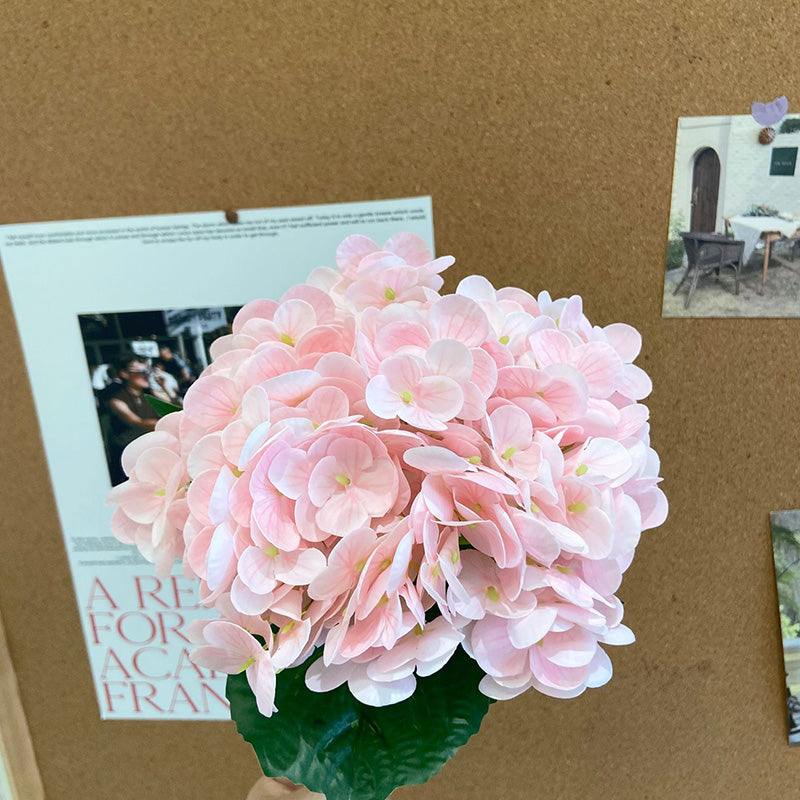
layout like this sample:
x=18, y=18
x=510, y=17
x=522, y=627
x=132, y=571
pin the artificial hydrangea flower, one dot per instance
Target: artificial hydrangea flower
x=375, y=474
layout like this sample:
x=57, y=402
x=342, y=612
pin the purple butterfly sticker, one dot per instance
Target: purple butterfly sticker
x=770, y=113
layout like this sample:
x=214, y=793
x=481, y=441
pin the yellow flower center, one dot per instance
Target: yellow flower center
x=343, y=479
x=474, y=459
x=389, y=293
x=492, y=594
x=509, y=453
x=582, y=470
x=286, y=339
x=406, y=396
x=271, y=550
x=160, y=492
x=504, y=340
x=576, y=508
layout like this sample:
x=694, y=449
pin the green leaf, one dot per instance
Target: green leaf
x=332, y=743
x=160, y=407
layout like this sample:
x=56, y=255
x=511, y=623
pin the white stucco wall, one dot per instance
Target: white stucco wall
x=749, y=182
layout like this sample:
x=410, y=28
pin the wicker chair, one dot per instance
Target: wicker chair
x=707, y=253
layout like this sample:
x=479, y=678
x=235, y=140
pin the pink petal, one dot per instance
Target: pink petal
x=600, y=670
x=300, y=567
x=510, y=427
x=206, y=454
x=140, y=502
x=625, y=339
x=211, y=401
x=595, y=527
x=294, y=318
x=410, y=247
x=221, y=563
x=600, y=365
x=255, y=309
x=380, y=693
x=344, y=564
x=261, y=677
x=631, y=420
x=403, y=372
x=246, y=601
x=476, y=287
x=236, y=640
x=574, y=648
x=218, y=510
x=619, y=635
x=396, y=336
x=341, y=514
x=551, y=347
x=439, y=396
x=451, y=358
x=137, y=447
x=155, y=466
x=382, y=399
x=537, y=539
x=474, y=406
x=350, y=252
x=257, y=570
x=571, y=315
x=322, y=678
x=654, y=507
x=269, y=361
x=605, y=459
x=493, y=650
x=319, y=300
x=458, y=317
x=528, y=630
x=289, y=473
x=292, y=388
x=565, y=391
x=322, y=339
x=256, y=439
x=635, y=383
x=484, y=372
x=434, y=460
x=327, y=403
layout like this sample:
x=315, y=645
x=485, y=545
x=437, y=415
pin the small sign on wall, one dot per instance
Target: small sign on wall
x=783, y=161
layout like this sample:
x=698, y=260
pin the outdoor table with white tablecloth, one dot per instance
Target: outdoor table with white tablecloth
x=751, y=230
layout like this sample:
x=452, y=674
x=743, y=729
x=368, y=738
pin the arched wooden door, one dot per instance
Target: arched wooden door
x=705, y=190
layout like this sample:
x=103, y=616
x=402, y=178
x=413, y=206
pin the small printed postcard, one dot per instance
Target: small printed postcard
x=786, y=551
x=733, y=246
x=109, y=310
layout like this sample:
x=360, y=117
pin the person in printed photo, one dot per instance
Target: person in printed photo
x=130, y=413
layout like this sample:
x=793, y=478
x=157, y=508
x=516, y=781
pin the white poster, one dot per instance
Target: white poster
x=159, y=289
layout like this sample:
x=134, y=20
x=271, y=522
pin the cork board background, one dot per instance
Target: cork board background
x=544, y=132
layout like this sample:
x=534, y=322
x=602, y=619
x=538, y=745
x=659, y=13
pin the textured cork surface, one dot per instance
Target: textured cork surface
x=544, y=132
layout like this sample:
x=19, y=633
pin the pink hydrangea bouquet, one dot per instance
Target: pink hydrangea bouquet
x=402, y=506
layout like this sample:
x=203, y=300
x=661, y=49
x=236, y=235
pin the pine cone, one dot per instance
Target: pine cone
x=766, y=135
